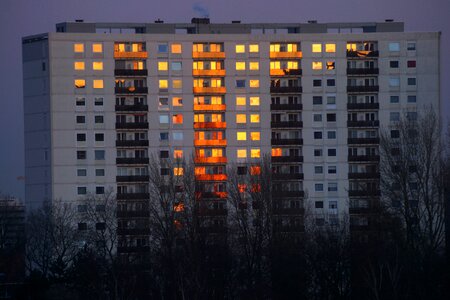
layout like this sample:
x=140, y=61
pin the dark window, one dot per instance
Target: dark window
x=242, y=170
x=411, y=81
x=240, y=83
x=99, y=172
x=411, y=63
x=317, y=82
x=317, y=135
x=164, y=154
x=81, y=154
x=412, y=99
x=82, y=208
x=319, y=204
x=331, y=134
x=99, y=137
x=81, y=172
x=395, y=99
x=393, y=64
x=81, y=119
x=164, y=171
x=395, y=134
x=99, y=190
x=331, y=152
x=317, y=152
x=331, y=82
x=81, y=190
x=82, y=226
x=331, y=117
x=98, y=119
x=100, y=226
x=99, y=154
x=317, y=100
x=81, y=137
x=163, y=136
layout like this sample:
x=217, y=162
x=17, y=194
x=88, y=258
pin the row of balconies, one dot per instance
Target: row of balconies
x=133, y=178
x=285, y=142
x=287, y=159
x=361, y=158
x=132, y=107
x=369, y=123
x=296, y=106
x=132, y=160
x=132, y=143
x=287, y=176
x=136, y=125
x=363, y=106
x=357, y=141
x=286, y=124
x=364, y=175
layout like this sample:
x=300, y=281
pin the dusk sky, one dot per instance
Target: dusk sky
x=20, y=18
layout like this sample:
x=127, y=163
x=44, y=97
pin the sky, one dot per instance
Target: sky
x=20, y=18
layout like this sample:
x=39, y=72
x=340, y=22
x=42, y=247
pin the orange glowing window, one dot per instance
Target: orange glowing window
x=292, y=65
x=330, y=48
x=240, y=101
x=241, y=153
x=254, y=118
x=316, y=48
x=176, y=48
x=255, y=153
x=97, y=48
x=178, y=171
x=78, y=65
x=275, y=65
x=317, y=65
x=177, y=101
x=255, y=170
x=274, y=47
x=177, y=224
x=163, y=66
x=240, y=48
x=97, y=84
x=242, y=187
x=78, y=48
x=254, y=101
x=256, y=188
x=178, y=207
x=241, y=136
x=254, y=65
x=253, y=48
x=97, y=65
x=241, y=118
x=331, y=65
x=351, y=47
x=255, y=135
x=177, y=154
x=277, y=152
x=200, y=170
x=177, y=83
x=163, y=84
x=254, y=83
x=217, y=152
x=177, y=119
x=80, y=83
x=240, y=65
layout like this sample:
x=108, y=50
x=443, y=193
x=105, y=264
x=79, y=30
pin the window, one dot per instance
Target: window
x=394, y=116
x=394, y=99
x=254, y=65
x=178, y=136
x=255, y=153
x=393, y=64
x=394, y=81
x=317, y=152
x=395, y=134
x=163, y=103
x=412, y=81
x=78, y=65
x=163, y=136
x=332, y=187
x=81, y=172
x=331, y=100
x=240, y=101
x=317, y=82
x=81, y=154
x=331, y=135
x=163, y=154
x=240, y=83
x=176, y=48
x=241, y=170
x=254, y=101
x=240, y=65
x=80, y=83
x=81, y=119
x=163, y=84
x=317, y=135
x=319, y=204
x=254, y=83
x=177, y=154
x=331, y=117
x=253, y=48
x=80, y=101
x=97, y=48
x=97, y=65
x=316, y=65
x=394, y=47
x=81, y=137
x=82, y=226
x=411, y=116
x=98, y=119
x=317, y=117
x=176, y=66
x=177, y=101
x=163, y=48
x=81, y=190
x=99, y=172
x=99, y=154
x=331, y=65
x=99, y=190
x=177, y=83
x=316, y=48
x=240, y=48
x=82, y=208
x=412, y=98
x=178, y=171
x=331, y=169
x=241, y=136
x=163, y=119
x=318, y=170
x=78, y=48
x=331, y=82
x=318, y=187
x=411, y=46
x=98, y=101
x=254, y=118
x=99, y=137
x=241, y=153
x=332, y=152
x=317, y=100
x=241, y=118
x=163, y=65
x=255, y=135
x=164, y=171
x=411, y=63
x=177, y=119
x=97, y=84
x=330, y=48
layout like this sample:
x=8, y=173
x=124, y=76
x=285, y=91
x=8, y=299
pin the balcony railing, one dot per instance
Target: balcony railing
x=369, y=141
x=362, y=71
x=363, y=105
x=211, y=177
x=286, y=124
x=289, y=211
x=296, y=54
x=131, y=90
x=281, y=142
x=296, y=106
x=209, y=107
x=208, y=55
x=363, y=89
x=212, y=212
x=362, y=53
x=210, y=160
x=210, y=142
x=132, y=178
x=210, y=195
x=137, y=125
x=209, y=72
x=132, y=143
x=282, y=194
x=130, y=72
x=129, y=54
x=287, y=176
x=364, y=193
x=287, y=159
x=132, y=196
x=285, y=72
x=286, y=89
x=198, y=125
x=363, y=158
x=374, y=123
x=366, y=175
x=133, y=214
x=209, y=90
x=133, y=107
x=131, y=160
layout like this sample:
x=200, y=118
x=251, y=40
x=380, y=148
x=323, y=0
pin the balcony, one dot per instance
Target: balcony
x=282, y=194
x=287, y=176
x=209, y=72
x=364, y=158
x=206, y=125
x=287, y=159
x=131, y=160
x=296, y=54
x=132, y=178
x=294, y=106
x=210, y=160
x=209, y=55
x=133, y=214
x=132, y=143
x=137, y=125
x=363, y=106
x=282, y=142
x=286, y=124
x=363, y=71
x=212, y=212
x=209, y=90
x=133, y=196
x=374, y=123
x=133, y=107
x=364, y=141
x=364, y=193
x=211, y=177
x=363, y=89
x=211, y=195
x=286, y=89
x=289, y=211
x=210, y=142
x=129, y=54
x=210, y=107
x=361, y=53
x=130, y=72
x=285, y=72
x=366, y=175
x=131, y=90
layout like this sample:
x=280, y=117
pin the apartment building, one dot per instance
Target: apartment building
x=101, y=98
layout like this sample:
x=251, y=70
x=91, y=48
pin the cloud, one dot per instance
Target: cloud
x=200, y=9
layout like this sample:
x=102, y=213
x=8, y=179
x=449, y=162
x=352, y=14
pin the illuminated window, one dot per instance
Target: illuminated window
x=177, y=101
x=254, y=101
x=240, y=48
x=255, y=135
x=254, y=118
x=163, y=66
x=176, y=48
x=241, y=136
x=242, y=187
x=177, y=119
x=178, y=171
x=97, y=48
x=254, y=65
x=163, y=84
x=97, y=65
x=177, y=154
x=254, y=83
x=240, y=65
x=330, y=48
x=240, y=101
x=331, y=65
x=292, y=65
x=241, y=119
x=255, y=153
x=78, y=65
x=317, y=65
x=255, y=170
x=316, y=48
x=241, y=153
x=78, y=48
x=97, y=84
x=177, y=83
x=275, y=65
x=80, y=83
x=253, y=48
x=277, y=152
